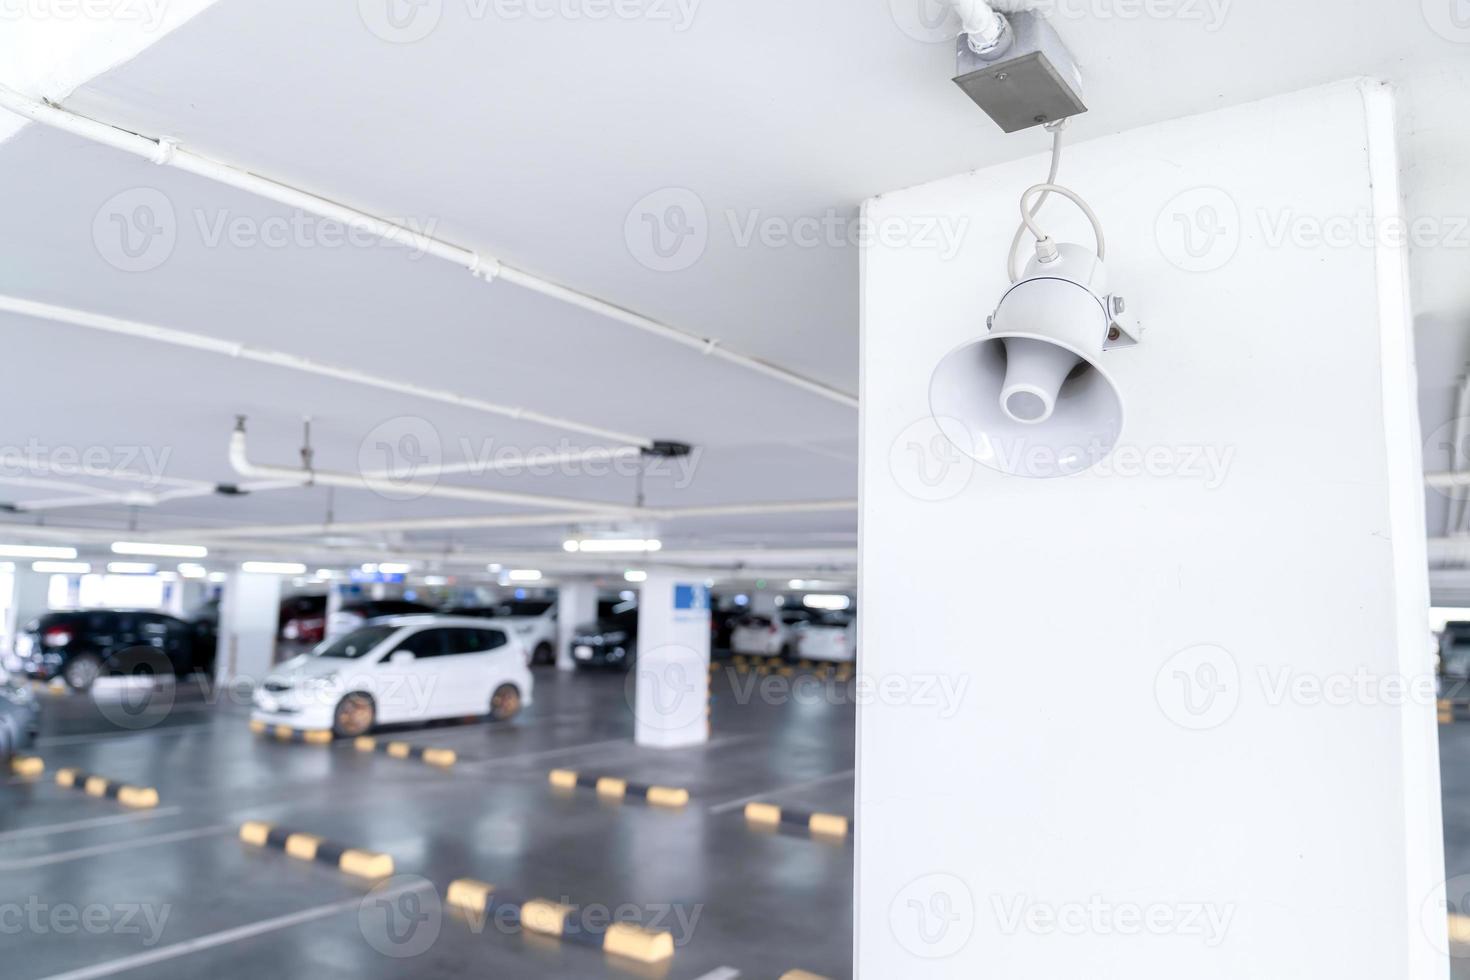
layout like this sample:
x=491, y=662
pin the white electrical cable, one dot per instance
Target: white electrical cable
x=1045, y=248
x=1051, y=178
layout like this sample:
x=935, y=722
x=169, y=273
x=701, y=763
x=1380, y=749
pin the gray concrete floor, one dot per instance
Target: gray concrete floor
x=736, y=899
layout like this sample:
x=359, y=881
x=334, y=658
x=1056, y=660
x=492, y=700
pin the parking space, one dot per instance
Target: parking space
x=733, y=896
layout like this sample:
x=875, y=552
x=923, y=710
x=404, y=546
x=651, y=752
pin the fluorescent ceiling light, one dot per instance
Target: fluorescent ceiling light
x=61, y=567
x=218, y=577
x=36, y=551
x=435, y=580
x=190, y=570
x=818, y=600
x=395, y=568
x=131, y=568
x=606, y=546
x=634, y=575
x=524, y=575
x=273, y=567
x=325, y=573
x=151, y=550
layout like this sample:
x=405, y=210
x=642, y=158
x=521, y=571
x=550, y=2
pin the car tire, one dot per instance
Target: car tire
x=543, y=654
x=82, y=671
x=354, y=715
x=505, y=703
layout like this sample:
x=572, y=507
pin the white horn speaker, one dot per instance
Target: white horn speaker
x=1031, y=397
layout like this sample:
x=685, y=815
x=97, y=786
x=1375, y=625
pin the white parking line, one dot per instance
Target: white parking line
x=723, y=973
x=531, y=756
x=54, y=740
x=61, y=857
x=62, y=828
x=228, y=936
x=737, y=804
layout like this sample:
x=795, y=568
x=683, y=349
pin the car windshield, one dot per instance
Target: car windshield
x=524, y=608
x=356, y=643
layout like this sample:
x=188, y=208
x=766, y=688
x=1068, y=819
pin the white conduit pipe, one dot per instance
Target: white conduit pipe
x=240, y=460
x=598, y=454
x=212, y=345
x=168, y=153
x=504, y=520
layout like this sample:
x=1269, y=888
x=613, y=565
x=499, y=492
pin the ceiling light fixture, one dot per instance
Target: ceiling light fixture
x=36, y=551
x=524, y=575
x=148, y=549
x=131, y=568
x=635, y=575
x=61, y=567
x=606, y=546
x=273, y=567
x=190, y=570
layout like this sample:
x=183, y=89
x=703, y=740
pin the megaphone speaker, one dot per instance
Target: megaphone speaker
x=1031, y=398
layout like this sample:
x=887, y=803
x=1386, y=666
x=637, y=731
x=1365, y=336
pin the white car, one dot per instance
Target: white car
x=396, y=670
x=533, y=620
x=758, y=635
x=831, y=638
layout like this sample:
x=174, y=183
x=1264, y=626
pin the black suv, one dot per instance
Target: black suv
x=612, y=641
x=84, y=645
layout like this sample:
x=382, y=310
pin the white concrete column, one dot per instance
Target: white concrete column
x=671, y=697
x=1235, y=595
x=28, y=600
x=249, y=612
x=335, y=596
x=576, y=605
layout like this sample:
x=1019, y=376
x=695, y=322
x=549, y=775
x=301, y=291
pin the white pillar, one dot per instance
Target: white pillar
x=29, y=600
x=335, y=595
x=671, y=696
x=1235, y=596
x=249, y=613
x=576, y=605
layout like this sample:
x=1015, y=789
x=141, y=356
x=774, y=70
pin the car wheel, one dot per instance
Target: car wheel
x=354, y=716
x=505, y=703
x=82, y=672
x=544, y=654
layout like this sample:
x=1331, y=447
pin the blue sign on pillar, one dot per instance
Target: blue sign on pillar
x=690, y=598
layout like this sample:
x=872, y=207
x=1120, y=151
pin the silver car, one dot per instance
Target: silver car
x=19, y=717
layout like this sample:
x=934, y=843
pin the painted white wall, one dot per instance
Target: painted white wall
x=671, y=701
x=1096, y=729
x=250, y=610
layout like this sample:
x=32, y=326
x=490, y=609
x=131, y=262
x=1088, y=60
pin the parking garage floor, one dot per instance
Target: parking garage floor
x=200, y=903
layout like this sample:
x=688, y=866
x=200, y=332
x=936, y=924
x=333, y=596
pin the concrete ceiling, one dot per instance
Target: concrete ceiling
x=547, y=141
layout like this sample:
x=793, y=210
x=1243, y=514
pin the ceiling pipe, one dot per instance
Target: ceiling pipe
x=240, y=461
x=239, y=351
x=167, y=152
x=988, y=32
x=492, y=521
x=520, y=462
